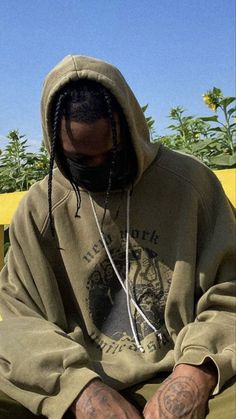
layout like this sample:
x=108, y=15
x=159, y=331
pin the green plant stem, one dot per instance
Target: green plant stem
x=227, y=126
x=181, y=128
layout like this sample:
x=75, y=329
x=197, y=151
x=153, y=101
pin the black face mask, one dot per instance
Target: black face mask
x=96, y=178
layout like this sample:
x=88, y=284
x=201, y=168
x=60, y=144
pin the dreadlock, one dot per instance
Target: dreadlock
x=55, y=132
x=82, y=101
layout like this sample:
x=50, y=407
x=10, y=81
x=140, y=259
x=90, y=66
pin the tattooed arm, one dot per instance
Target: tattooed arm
x=102, y=402
x=184, y=394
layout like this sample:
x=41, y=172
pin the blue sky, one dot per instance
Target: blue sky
x=170, y=52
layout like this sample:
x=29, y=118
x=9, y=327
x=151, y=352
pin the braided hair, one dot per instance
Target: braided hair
x=82, y=101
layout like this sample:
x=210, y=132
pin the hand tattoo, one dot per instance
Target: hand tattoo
x=89, y=405
x=178, y=397
x=100, y=401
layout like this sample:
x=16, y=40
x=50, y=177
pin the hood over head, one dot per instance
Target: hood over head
x=75, y=67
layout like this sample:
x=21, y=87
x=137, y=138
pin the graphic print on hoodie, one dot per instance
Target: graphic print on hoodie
x=106, y=299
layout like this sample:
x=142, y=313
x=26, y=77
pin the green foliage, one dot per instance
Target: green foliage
x=212, y=139
x=19, y=169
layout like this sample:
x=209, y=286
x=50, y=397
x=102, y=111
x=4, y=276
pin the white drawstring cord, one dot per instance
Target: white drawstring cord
x=125, y=288
x=128, y=296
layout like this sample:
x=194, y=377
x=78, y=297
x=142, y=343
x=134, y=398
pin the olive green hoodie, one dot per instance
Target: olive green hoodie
x=67, y=318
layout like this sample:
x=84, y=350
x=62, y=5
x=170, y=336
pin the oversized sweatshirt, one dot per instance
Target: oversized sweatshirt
x=66, y=315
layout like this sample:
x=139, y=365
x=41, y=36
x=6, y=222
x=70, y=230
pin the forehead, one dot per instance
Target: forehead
x=82, y=135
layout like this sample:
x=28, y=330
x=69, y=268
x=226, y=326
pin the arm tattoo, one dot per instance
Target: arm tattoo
x=178, y=397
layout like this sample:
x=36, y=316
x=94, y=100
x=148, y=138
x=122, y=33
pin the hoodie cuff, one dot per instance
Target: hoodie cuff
x=223, y=362
x=71, y=383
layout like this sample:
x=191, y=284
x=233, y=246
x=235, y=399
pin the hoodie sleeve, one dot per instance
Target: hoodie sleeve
x=41, y=366
x=212, y=336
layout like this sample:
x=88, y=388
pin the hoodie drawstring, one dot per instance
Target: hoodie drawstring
x=125, y=286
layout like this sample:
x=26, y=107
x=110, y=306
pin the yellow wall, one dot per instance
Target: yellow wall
x=8, y=205
x=228, y=179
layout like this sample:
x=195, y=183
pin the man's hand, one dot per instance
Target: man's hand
x=102, y=402
x=184, y=394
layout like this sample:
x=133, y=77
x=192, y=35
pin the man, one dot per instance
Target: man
x=121, y=272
